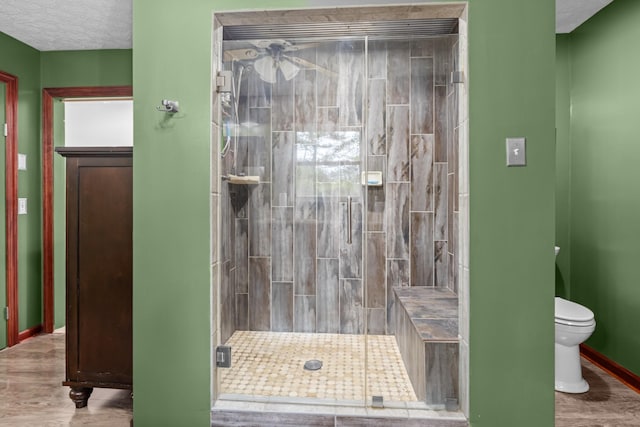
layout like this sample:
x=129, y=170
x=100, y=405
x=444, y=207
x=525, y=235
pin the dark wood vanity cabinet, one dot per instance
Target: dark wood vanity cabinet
x=99, y=269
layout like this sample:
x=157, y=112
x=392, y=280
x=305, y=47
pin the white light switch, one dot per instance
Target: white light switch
x=22, y=162
x=516, y=152
x=22, y=206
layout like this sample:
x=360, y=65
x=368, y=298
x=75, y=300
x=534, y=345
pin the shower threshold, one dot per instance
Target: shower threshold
x=278, y=411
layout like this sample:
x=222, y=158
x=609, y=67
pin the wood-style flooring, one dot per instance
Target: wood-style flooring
x=608, y=403
x=31, y=394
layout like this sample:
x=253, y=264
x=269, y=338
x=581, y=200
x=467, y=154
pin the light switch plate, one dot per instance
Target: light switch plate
x=516, y=152
x=22, y=162
x=22, y=206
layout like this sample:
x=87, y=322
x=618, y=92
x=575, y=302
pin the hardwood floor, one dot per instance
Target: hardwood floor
x=31, y=394
x=608, y=403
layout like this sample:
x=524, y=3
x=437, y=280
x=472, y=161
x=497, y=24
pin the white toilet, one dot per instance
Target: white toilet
x=574, y=324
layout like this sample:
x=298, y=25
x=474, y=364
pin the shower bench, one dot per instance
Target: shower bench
x=426, y=330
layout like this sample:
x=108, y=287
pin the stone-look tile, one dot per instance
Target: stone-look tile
x=376, y=195
x=463, y=375
x=328, y=295
x=463, y=303
x=283, y=168
x=328, y=226
x=259, y=91
x=351, y=82
x=242, y=312
x=437, y=329
x=282, y=244
x=422, y=190
x=351, y=311
x=376, y=117
x=351, y=246
x=418, y=295
x=260, y=220
x=282, y=307
x=463, y=157
x=305, y=165
x=259, y=158
x=305, y=246
x=440, y=200
x=441, y=264
x=214, y=151
x=376, y=271
x=422, y=98
x=214, y=228
x=259, y=294
x=269, y=419
x=305, y=100
x=412, y=350
x=422, y=47
x=442, y=371
x=398, y=72
x=377, y=56
x=443, y=59
x=441, y=129
x=327, y=59
x=398, y=144
x=227, y=302
x=376, y=321
x=398, y=275
x=242, y=255
x=328, y=119
x=442, y=308
x=422, y=249
x=305, y=313
x=225, y=221
x=282, y=109
x=397, y=216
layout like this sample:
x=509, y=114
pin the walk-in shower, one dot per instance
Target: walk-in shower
x=335, y=174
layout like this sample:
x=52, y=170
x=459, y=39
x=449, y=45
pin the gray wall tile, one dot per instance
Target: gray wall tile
x=328, y=296
x=351, y=311
x=440, y=196
x=375, y=279
x=282, y=104
x=398, y=72
x=305, y=313
x=441, y=265
x=376, y=117
x=422, y=173
x=282, y=244
x=282, y=307
x=259, y=294
x=421, y=249
x=398, y=144
x=283, y=168
x=260, y=220
x=305, y=100
x=422, y=95
x=397, y=216
x=305, y=246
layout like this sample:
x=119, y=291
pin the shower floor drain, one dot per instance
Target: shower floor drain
x=312, y=365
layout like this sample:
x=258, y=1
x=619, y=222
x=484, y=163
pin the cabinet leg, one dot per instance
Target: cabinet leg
x=80, y=395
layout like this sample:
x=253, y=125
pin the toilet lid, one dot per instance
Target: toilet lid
x=568, y=310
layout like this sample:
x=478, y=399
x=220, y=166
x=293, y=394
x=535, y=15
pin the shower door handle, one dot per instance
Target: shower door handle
x=349, y=240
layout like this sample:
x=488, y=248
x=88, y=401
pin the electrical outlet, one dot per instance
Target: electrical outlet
x=22, y=162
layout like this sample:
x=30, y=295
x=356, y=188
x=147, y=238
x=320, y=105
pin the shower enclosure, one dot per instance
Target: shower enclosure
x=334, y=181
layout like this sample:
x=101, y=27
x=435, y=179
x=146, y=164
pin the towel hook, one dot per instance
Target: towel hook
x=168, y=106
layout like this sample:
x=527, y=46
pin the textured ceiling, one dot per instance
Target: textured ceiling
x=107, y=24
x=68, y=24
x=571, y=13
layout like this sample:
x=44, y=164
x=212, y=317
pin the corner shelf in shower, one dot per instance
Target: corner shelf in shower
x=242, y=180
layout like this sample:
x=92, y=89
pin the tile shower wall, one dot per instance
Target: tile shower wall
x=285, y=260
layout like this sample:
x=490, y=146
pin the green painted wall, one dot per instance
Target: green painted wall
x=512, y=211
x=24, y=62
x=563, y=164
x=64, y=69
x=86, y=68
x=605, y=101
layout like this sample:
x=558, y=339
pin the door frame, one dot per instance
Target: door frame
x=11, y=204
x=48, y=94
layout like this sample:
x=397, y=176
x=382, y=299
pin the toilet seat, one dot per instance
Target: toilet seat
x=572, y=314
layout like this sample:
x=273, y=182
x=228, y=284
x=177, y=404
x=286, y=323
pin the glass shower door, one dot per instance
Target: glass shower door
x=292, y=215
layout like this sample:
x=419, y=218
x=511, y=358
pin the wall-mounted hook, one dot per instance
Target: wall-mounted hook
x=168, y=106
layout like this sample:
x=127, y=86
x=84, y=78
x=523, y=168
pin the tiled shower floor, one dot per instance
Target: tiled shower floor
x=271, y=364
